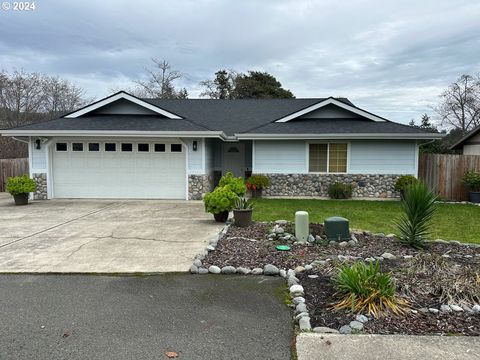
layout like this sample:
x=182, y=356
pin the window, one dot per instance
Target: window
x=93, y=147
x=77, y=146
x=176, y=147
x=127, y=147
x=61, y=146
x=143, y=147
x=110, y=147
x=337, y=158
x=330, y=158
x=159, y=147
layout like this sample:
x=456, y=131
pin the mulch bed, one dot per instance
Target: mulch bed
x=248, y=247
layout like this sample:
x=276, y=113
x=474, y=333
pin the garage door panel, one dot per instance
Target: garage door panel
x=119, y=174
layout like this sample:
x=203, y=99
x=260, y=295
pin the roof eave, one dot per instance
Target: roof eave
x=345, y=136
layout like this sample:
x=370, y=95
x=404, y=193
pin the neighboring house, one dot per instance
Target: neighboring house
x=470, y=143
x=126, y=147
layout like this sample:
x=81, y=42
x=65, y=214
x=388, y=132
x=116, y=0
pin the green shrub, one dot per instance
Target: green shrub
x=471, y=179
x=418, y=208
x=219, y=200
x=243, y=204
x=20, y=185
x=340, y=191
x=404, y=181
x=364, y=288
x=255, y=182
x=237, y=185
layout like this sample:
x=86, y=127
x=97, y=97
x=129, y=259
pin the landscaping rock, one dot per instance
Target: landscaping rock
x=243, y=271
x=278, y=230
x=299, y=269
x=318, y=238
x=202, y=271
x=228, y=270
x=283, y=273
x=407, y=256
x=361, y=318
x=200, y=257
x=345, y=329
x=319, y=262
x=300, y=315
x=197, y=262
x=257, y=271
x=210, y=248
x=290, y=272
x=390, y=236
x=445, y=308
x=354, y=238
x=388, y=256
x=281, y=222
x=313, y=276
x=296, y=290
x=476, y=309
x=304, y=324
x=214, y=269
x=193, y=269
x=271, y=237
x=352, y=243
x=440, y=241
x=343, y=244
x=356, y=325
x=301, y=308
x=370, y=259
x=271, y=270
x=325, y=330
x=311, y=239
x=308, y=267
x=456, y=308
x=292, y=280
x=332, y=243
x=298, y=300
x=433, y=310
x=343, y=257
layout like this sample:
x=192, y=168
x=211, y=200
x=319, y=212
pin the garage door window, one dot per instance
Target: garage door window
x=61, y=146
x=143, y=148
x=93, y=147
x=127, y=147
x=110, y=147
x=159, y=147
x=176, y=148
x=77, y=146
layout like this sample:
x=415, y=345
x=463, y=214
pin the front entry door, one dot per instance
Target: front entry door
x=233, y=159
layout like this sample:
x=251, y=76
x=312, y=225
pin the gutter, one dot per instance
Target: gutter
x=346, y=136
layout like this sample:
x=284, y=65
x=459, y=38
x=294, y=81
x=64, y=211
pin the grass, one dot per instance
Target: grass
x=451, y=221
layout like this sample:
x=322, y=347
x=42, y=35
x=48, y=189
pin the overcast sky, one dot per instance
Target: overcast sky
x=390, y=57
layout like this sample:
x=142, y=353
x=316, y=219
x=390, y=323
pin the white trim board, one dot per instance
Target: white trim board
x=118, y=96
x=335, y=102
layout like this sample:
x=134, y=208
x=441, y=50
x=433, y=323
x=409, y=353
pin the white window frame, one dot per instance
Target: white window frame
x=307, y=150
x=94, y=142
x=159, y=143
x=175, y=152
x=77, y=142
x=110, y=142
x=143, y=152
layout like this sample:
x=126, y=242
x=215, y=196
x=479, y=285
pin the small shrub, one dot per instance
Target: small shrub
x=404, y=181
x=340, y=191
x=364, y=288
x=243, y=204
x=20, y=185
x=255, y=182
x=219, y=200
x=471, y=180
x=236, y=184
x=418, y=206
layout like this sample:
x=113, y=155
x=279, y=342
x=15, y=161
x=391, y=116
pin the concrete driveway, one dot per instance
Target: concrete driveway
x=104, y=236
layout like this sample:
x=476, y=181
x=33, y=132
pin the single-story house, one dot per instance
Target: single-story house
x=123, y=146
x=470, y=143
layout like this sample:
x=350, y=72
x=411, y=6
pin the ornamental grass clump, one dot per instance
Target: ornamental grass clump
x=363, y=288
x=418, y=207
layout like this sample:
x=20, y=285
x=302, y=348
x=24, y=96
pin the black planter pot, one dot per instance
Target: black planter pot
x=221, y=217
x=21, y=199
x=243, y=218
x=257, y=193
x=474, y=197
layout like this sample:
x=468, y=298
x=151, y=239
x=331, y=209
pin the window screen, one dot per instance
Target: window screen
x=318, y=157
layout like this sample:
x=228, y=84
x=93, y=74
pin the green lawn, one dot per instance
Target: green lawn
x=452, y=222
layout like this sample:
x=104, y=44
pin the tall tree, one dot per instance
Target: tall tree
x=460, y=104
x=160, y=82
x=253, y=85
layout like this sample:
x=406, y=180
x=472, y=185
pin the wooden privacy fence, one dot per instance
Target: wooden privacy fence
x=12, y=167
x=443, y=173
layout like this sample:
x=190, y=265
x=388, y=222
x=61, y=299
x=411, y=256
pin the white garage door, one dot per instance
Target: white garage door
x=119, y=169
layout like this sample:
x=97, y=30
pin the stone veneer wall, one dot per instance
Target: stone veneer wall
x=199, y=185
x=41, y=192
x=366, y=186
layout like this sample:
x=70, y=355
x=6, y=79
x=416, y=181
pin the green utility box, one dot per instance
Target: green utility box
x=336, y=229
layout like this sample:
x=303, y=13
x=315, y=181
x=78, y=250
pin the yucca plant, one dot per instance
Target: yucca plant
x=364, y=288
x=418, y=207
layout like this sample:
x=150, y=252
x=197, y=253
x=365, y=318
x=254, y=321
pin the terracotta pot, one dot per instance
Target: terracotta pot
x=21, y=199
x=221, y=217
x=243, y=218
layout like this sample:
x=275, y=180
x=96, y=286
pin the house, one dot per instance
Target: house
x=470, y=143
x=126, y=147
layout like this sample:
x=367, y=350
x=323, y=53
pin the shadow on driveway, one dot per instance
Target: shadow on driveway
x=109, y=317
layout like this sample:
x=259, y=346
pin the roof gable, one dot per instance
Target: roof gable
x=327, y=103
x=122, y=98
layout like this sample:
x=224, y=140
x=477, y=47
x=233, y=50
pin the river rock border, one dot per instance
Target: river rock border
x=41, y=181
x=297, y=291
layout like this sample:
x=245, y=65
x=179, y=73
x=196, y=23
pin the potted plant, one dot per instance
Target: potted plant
x=403, y=182
x=242, y=212
x=219, y=202
x=256, y=184
x=20, y=187
x=471, y=179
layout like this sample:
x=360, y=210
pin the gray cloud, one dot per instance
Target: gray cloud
x=393, y=58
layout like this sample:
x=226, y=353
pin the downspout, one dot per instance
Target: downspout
x=24, y=141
